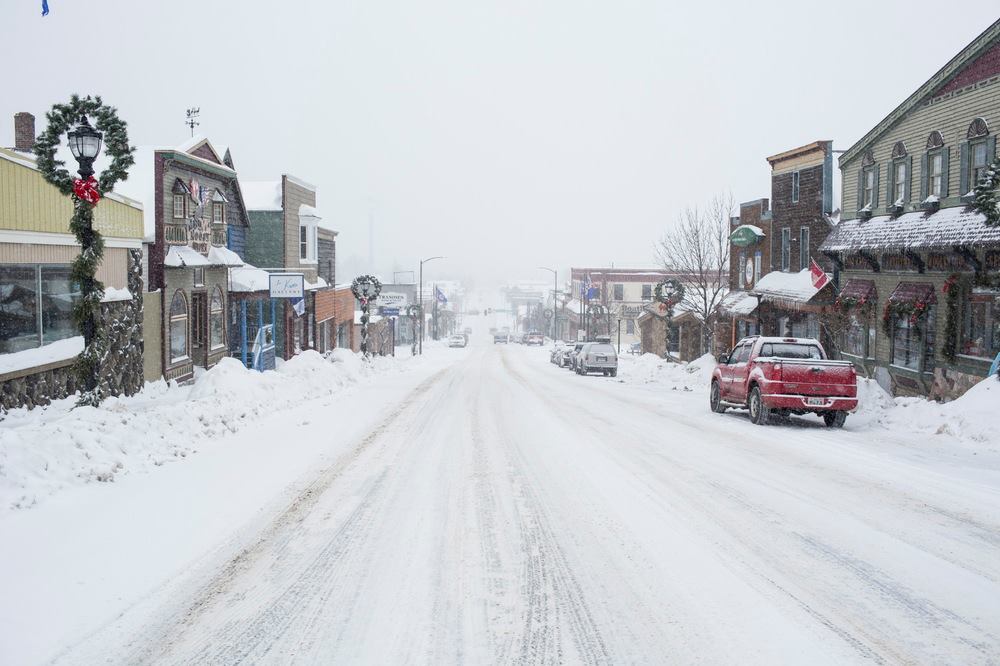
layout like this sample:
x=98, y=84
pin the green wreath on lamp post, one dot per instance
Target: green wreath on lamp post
x=73, y=119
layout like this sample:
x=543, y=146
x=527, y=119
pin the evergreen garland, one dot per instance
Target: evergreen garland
x=845, y=305
x=953, y=288
x=914, y=311
x=83, y=272
x=986, y=200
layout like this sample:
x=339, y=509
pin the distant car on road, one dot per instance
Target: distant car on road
x=534, y=338
x=457, y=341
x=500, y=339
x=782, y=376
x=597, y=357
x=635, y=348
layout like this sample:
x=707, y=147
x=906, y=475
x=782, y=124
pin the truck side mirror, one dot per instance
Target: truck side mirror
x=723, y=358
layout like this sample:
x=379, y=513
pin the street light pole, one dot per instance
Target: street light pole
x=555, y=288
x=420, y=299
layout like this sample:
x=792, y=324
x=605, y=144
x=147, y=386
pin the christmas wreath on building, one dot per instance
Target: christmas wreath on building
x=913, y=311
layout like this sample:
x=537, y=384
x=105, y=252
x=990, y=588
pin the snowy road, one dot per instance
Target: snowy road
x=507, y=511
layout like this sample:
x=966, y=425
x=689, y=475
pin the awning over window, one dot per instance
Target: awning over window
x=913, y=292
x=862, y=291
x=738, y=303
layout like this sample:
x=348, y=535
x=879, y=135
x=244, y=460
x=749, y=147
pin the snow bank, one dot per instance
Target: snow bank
x=47, y=449
x=651, y=369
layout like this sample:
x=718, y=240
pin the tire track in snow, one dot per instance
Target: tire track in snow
x=271, y=546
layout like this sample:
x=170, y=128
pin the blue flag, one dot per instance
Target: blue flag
x=439, y=295
x=45, y=7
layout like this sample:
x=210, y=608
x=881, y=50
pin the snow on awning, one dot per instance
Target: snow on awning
x=61, y=350
x=920, y=230
x=913, y=292
x=862, y=291
x=739, y=303
x=247, y=278
x=786, y=289
x=320, y=283
x=222, y=256
x=746, y=234
x=185, y=256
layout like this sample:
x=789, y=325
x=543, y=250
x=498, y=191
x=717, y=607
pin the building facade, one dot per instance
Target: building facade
x=39, y=341
x=617, y=297
x=916, y=264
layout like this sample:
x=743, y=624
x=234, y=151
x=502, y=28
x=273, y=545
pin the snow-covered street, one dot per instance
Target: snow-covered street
x=498, y=509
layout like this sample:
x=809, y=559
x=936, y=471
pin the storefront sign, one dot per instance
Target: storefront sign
x=748, y=272
x=744, y=236
x=388, y=312
x=632, y=311
x=287, y=285
x=392, y=299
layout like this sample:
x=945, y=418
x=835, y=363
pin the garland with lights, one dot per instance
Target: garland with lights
x=986, y=196
x=86, y=193
x=365, y=288
x=845, y=305
x=674, y=292
x=913, y=311
x=953, y=288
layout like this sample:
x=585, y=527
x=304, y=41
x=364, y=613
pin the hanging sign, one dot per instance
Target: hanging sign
x=748, y=272
x=287, y=285
x=743, y=236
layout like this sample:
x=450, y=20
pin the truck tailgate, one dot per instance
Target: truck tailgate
x=817, y=377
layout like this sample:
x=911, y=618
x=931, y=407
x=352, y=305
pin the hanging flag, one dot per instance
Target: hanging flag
x=818, y=275
x=45, y=7
x=299, y=305
x=439, y=295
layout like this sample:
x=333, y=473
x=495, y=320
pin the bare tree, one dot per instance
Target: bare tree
x=697, y=249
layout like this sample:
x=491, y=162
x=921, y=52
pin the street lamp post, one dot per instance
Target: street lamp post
x=366, y=289
x=420, y=299
x=555, y=288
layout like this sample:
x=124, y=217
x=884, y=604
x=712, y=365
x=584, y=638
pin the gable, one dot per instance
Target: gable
x=205, y=152
x=986, y=66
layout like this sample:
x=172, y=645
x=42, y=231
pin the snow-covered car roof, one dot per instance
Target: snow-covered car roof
x=788, y=340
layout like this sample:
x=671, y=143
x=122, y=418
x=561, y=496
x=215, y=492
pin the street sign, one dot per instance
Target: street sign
x=287, y=285
x=548, y=314
x=388, y=312
x=392, y=299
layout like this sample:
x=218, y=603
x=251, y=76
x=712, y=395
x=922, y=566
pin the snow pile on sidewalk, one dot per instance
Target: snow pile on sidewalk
x=970, y=418
x=651, y=369
x=46, y=449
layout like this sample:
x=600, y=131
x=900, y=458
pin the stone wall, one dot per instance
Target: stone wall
x=121, y=347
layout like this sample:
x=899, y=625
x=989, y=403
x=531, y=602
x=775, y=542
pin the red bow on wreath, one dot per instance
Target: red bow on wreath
x=86, y=190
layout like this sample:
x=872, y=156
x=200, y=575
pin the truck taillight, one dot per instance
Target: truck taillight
x=777, y=371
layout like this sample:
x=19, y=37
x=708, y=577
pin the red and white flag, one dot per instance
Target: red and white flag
x=819, y=276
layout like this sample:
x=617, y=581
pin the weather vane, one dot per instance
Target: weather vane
x=192, y=118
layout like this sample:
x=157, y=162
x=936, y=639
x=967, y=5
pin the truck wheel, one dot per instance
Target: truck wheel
x=715, y=399
x=834, y=419
x=759, y=413
x=614, y=372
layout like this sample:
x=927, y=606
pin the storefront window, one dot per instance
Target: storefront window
x=856, y=337
x=36, y=306
x=218, y=331
x=981, y=326
x=178, y=327
x=910, y=346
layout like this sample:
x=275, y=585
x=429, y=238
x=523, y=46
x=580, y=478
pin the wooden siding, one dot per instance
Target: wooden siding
x=949, y=115
x=113, y=271
x=28, y=203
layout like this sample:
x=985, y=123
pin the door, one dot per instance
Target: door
x=199, y=328
x=726, y=373
x=741, y=371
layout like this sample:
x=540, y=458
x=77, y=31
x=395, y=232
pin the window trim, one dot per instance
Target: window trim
x=786, y=248
x=796, y=186
x=182, y=200
x=171, y=319
x=931, y=154
x=221, y=208
x=804, y=254
x=868, y=189
x=212, y=313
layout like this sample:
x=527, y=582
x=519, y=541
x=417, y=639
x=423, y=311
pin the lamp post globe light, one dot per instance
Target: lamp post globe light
x=366, y=289
x=85, y=144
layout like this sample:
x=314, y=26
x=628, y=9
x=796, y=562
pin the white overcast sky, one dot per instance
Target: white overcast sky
x=505, y=135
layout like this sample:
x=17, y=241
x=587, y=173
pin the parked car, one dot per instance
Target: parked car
x=534, y=338
x=597, y=357
x=635, y=348
x=457, y=341
x=782, y=376
x=573, y=354
x=500, y=339
x=557, y=349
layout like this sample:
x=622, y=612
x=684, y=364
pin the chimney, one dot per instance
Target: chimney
x=24, y=132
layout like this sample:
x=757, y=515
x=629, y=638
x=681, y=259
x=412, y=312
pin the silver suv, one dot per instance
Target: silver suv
x=597, y=357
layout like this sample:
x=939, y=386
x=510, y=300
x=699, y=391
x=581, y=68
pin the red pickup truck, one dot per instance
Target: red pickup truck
x=782, y=376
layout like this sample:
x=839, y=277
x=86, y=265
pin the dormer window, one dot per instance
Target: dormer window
x=180, y=201
x=218, y=213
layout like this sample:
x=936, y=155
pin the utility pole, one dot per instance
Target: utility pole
x=420, y=299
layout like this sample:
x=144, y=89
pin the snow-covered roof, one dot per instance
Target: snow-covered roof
x=739, y=303
x=320, y=283
x=180, y=256
x=222, y=256
x=247, y=278
x=779, y=286
x=957, y=225
x=28, y=160
x=262, y=195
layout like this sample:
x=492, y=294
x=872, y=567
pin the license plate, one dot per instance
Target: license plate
x=602, y=358
x=816, y=401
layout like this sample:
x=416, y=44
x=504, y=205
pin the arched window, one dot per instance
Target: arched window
x=178, y=327
x=977, y=128
x=935, y=140
x=216, y=320
x=899, y=150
